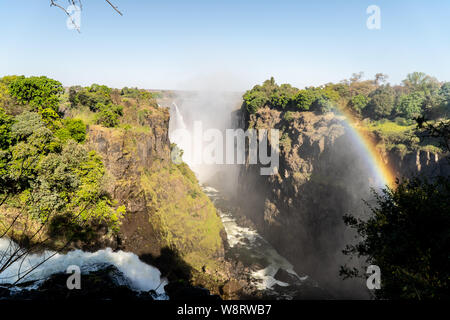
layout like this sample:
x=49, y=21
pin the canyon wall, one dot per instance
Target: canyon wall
x=170, y=222
x=417, y=163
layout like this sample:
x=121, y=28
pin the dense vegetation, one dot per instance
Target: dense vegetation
x=419, y=95
x=49, y=180
x=407, y=233
x=407, y=236
x=388, y=111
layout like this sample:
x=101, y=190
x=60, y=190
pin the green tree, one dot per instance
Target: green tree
x=411, y=106
x=5, y=129
x=304, y=99
x=109, y=115
x=39, y=92
x=381, y=102
x=255, y=99
x=427, y=85
x=358, y=103
x=282, y=97
x=407, y=236
x=444, y=93
x=77, y=129
x=92, y=97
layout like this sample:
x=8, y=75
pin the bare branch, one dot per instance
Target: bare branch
x=114, y=7
x=54, y=4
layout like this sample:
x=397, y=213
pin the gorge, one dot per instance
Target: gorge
x=168, y=227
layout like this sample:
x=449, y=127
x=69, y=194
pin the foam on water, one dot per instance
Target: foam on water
x=141, y=276
x=256, y=246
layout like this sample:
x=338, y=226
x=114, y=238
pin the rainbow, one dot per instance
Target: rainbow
x=384, y=175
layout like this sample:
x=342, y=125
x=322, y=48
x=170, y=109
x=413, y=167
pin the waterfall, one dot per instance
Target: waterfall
x=141, y=276
x=179, y=121
x=179, y=134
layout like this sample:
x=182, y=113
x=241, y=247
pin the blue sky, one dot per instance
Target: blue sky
x=224, y=44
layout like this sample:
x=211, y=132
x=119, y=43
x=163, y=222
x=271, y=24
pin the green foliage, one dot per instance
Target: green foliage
x=381, y=102
x=187, y=218
x=444, y=92
x=304, y=99
x=282, y=97
x=358, y=103
x=72, y=129
x=289, y=116
x=6, y=100
x=76, y=128
x=407, y=236
x=93, y=97
x=50, y=175
x=38, y=92
x=269, y=94
x=5, y=129
x=108, y=115
x=421, y=82
x=255, y=99
x=25, y=124
x=410, y=106
x=286, y=97
x=136, y=93
x=402, y=121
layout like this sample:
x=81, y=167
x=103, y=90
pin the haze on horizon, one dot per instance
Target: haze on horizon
x=224, y=45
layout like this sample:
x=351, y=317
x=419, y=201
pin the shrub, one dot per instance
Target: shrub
x=304, y=99
x=92, y=97
x=402, y=121
x=254, y=100
x=358, y=103
x=109, y=115
x=410, y=106
x=407, y=236
x=76, y=128
x=5, y=129
x=289, y=116
x=381, y=102
x=38, y=92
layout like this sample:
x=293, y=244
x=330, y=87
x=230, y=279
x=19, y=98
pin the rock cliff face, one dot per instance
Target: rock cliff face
x=425, y=163
x=125, y=155
x=322, y=176
x=169, y=222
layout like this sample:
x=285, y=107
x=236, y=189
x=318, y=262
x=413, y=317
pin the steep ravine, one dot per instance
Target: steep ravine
x=170, y=222
x=323, y=174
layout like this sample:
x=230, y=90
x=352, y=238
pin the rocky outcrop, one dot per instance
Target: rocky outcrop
x=418, y=162
x=107, y=283
x=322, y=176
x=125, y=154
x=169, y=221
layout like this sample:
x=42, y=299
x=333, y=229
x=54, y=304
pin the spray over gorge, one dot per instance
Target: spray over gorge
x=326, y=155
x=222, y=157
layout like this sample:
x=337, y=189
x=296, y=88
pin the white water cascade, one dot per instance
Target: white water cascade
x=265, y=261
x=140, y=276
x=179, y=120
x=255, y=246
x=177, y=135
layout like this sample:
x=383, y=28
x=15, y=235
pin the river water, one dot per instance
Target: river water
x=270, y=273
x=139, y=275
